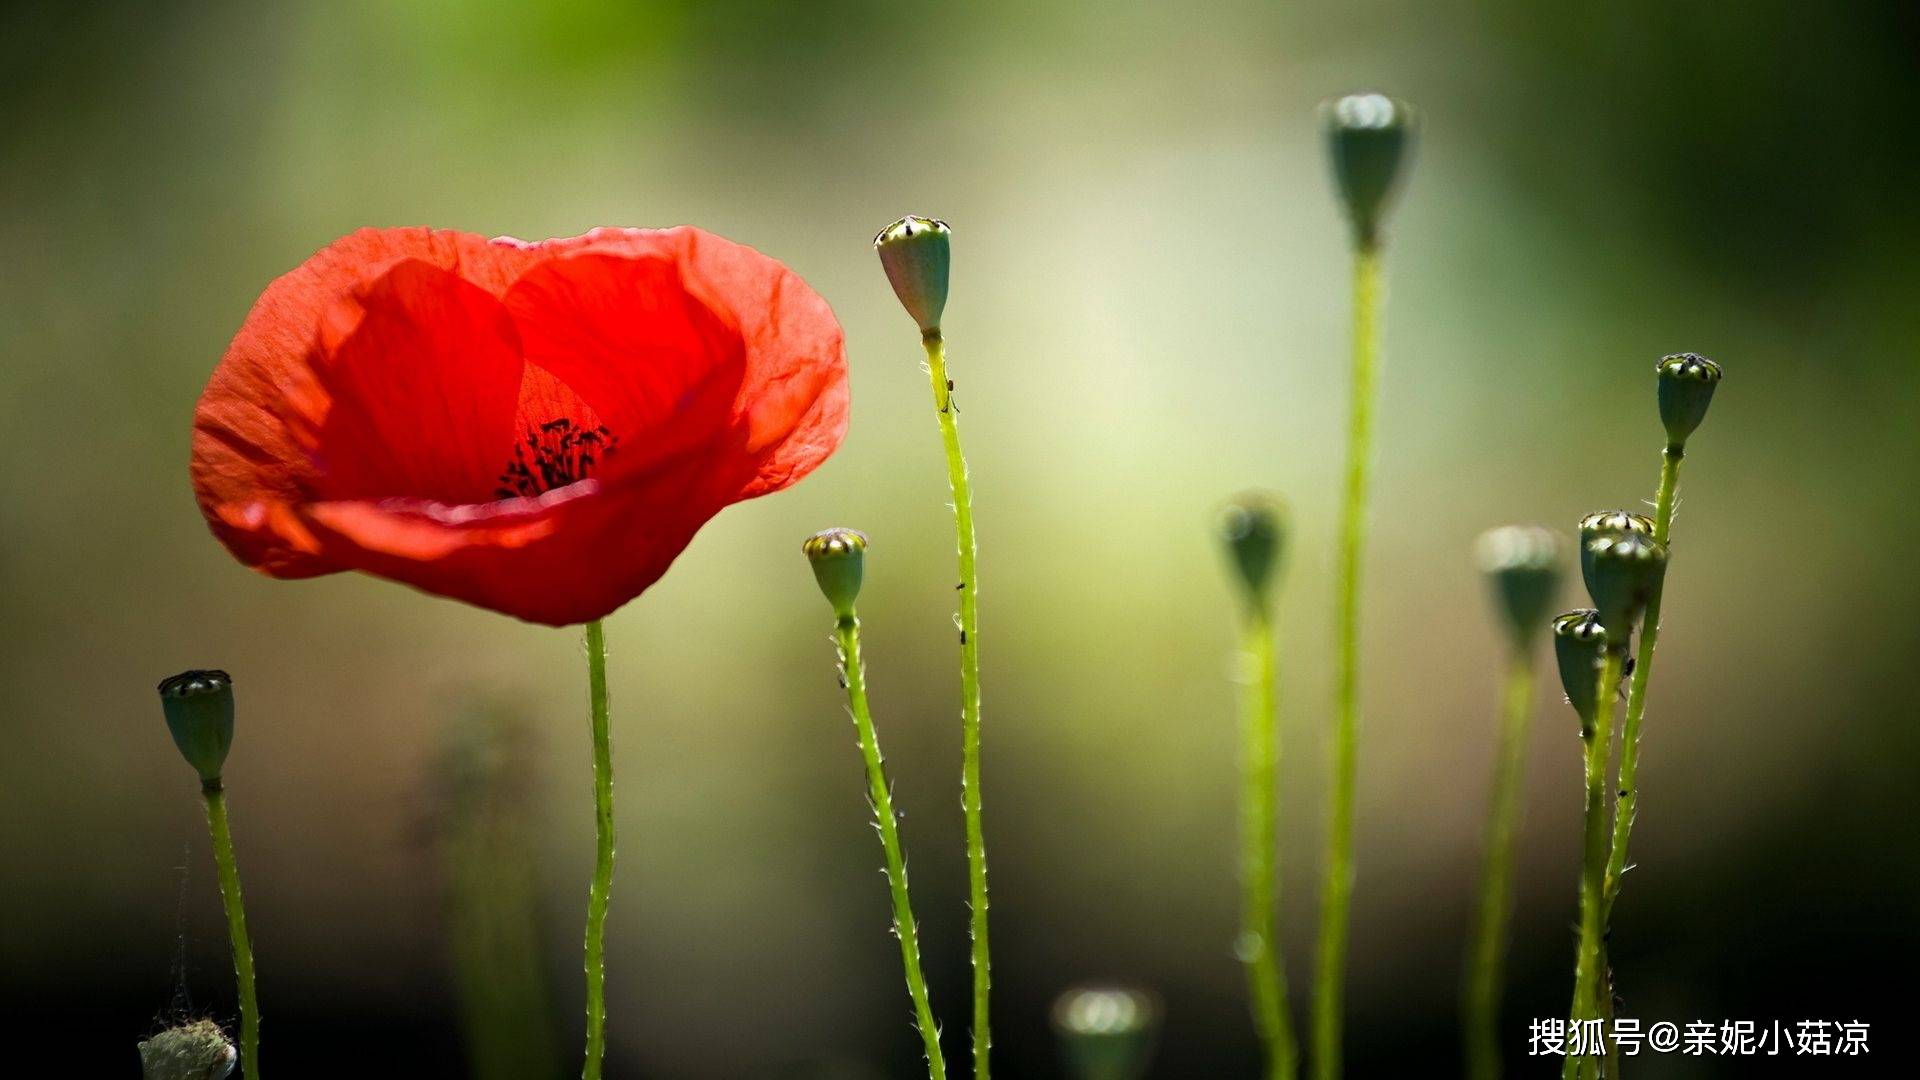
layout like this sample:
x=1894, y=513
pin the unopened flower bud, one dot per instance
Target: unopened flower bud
x=916, y=255
x=199, y=710
x=1252, y=528
x=1578, y=640
x=1687, y=382
x=1522, y=562
x=1368, y=139
x=837, y=556
x=196, y=1051
x=1602, y=522
x=1107, y=1033
x=1624, y=570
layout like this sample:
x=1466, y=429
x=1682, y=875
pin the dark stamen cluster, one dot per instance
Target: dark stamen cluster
x=555, y=454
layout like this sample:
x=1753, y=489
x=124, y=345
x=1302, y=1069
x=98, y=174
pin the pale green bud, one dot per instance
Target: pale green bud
x=838, y=557
x=917, y=255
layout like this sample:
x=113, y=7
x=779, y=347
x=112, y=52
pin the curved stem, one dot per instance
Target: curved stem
x=969, y=588
x=1598, y=737
x=215, y=797
x=1259, y=947
x=854, y=677
x=1337, y=887
x=1488, y=947
x=602, y=887
x=1629, y=798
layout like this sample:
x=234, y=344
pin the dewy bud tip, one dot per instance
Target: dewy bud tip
x=199, y=710
x=838, y=557
x=1622, y=570
x=917, y=255
x=1687, y=382
x=1601, y=522
x=1578, y=639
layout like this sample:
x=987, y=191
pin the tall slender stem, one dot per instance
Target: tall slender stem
x=1611, y=1067
x=853, y=675
x=1629, y=799
x=1487, y=950
x=1598, y=738
x=1337, y=888
x=215, y=797
x=1259, y=946
x=602, y=886
x=969, y=589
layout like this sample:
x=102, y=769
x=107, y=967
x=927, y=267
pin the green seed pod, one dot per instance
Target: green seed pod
x=1252, y=528
x=1105, y=1032
x=199, y=709
x=916, y=255
x=1522, y=562
x=1578, y=640
x=1602, y=522
x=196, y=1051
x=1368, y=139
x=837, y=556
x=1687, y=382
x=1625, y=568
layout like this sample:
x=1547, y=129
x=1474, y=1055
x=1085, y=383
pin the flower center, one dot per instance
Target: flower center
x=553, y=455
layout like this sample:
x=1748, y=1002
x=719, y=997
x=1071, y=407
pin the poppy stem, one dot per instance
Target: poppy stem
x=1259, y=876
x=853, y=676
x=1337, y=888
x=969, y=691
x=1611, y=1067
x=1627, y=805
x=1487, y=950
x=602, y=886
x=215, y=797
x=1598, y=737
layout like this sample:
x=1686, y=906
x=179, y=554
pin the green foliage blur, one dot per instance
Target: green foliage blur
x=1147, y=315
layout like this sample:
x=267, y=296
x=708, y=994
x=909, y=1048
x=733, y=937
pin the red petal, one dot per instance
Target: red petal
x=660, y=367
x=424, y=378
x=567, y=557
x=790, y=411
x=244, y=453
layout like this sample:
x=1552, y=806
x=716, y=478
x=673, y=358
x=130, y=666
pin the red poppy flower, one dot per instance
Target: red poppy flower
x=536, y=428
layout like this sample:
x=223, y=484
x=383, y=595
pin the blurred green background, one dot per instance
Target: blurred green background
x=1147, y=315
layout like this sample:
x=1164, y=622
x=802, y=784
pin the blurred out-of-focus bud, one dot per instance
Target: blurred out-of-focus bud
x=1252, y=528
x=1107, y=1032
x=1522, y=563
x=1369, y=139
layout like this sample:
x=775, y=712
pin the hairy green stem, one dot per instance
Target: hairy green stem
x=1611, y=1068
x=215, y=797
x=854, y=677
x=1336, y=893
x=1259, y=946
x=1488, y=946
x=602, y=887
x=1629, y=791
x=969, y=589
x=1598, y=739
